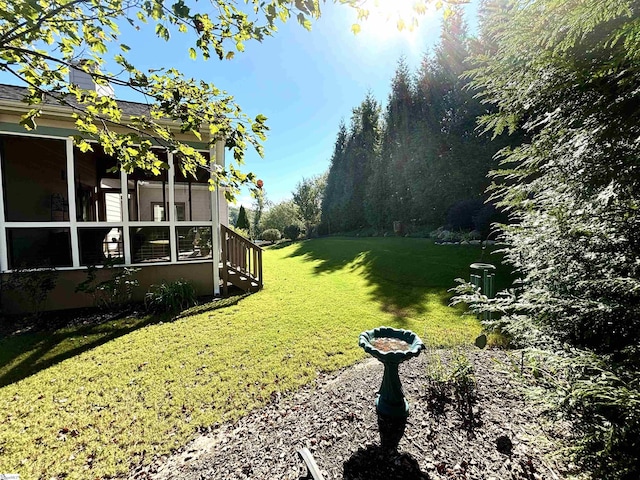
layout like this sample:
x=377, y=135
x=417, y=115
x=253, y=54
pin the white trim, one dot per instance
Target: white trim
x=71, y=202
x=35, y=135
x=162, y=264
x=4, y=250
x=37, y=224
x=216, y=158
x=82, y=225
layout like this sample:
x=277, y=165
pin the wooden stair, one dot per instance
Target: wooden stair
x=241, y=262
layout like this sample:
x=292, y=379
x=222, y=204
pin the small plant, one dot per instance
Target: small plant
x=113, y=293
x=463, y=386
x=170, y=297
x=33, y=285
x=292, y=232
x=452, y=384
x=438, y=388
x=271, y=235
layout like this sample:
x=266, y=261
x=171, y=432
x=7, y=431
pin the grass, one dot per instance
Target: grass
x=89, y=403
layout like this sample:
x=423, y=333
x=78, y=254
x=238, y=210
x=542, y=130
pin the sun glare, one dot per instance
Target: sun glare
x=384, y=20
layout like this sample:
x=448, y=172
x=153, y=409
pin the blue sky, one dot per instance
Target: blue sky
x=305, y=82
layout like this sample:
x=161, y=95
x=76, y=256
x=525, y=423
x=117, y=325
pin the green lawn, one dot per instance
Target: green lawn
x=92, y=401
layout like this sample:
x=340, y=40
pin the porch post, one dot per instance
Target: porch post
x=4, y=259
x=124, y=194
x=216, y=157
x=71, y=193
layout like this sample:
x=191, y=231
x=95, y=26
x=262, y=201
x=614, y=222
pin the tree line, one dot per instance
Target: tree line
x=420, y=156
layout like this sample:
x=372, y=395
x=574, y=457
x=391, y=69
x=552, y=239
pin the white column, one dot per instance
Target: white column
x=4, y=258
x=216, y=157
x=71, y=193
x=124, y=194
x=173, y=238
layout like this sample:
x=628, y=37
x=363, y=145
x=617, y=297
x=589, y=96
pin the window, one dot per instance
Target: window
x=99, y=245
x=150, y=244
x=39, y=247
x=194, y=194
x=145, y=191
x=35, y=179
x=159, y=210
x=194, y=243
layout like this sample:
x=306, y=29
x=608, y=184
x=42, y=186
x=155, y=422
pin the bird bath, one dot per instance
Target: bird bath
x=391, y=346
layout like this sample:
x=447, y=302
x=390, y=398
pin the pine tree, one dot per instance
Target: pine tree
x=243, y=220
x=334, y=198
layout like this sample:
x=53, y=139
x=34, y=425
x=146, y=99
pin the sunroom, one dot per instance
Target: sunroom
x=64, y=209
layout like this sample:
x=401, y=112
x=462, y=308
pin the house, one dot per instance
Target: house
x=64, y=209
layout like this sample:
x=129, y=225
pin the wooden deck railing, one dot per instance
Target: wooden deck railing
x=241, y=261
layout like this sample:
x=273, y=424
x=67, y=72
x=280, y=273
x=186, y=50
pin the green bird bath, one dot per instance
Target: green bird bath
x=391, y=346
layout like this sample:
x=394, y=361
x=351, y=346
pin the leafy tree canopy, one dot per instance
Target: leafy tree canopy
x=308, y=199
x=41, y=40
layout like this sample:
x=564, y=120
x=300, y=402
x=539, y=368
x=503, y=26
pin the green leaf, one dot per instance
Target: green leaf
x=28, y=123
x=355, y=28
x=192, y=53
x=162, y=32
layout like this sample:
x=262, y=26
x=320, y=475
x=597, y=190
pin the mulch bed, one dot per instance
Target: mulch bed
x=501, y=436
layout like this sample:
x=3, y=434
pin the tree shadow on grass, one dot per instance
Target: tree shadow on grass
x=404, y=272
x=25, y=354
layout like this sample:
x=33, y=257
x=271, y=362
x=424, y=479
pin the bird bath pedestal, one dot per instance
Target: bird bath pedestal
x=391, y=346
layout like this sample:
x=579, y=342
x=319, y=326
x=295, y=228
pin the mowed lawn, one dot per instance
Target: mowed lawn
x=146, y=391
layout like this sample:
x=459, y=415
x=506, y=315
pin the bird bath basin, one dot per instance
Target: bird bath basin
x=391, y=346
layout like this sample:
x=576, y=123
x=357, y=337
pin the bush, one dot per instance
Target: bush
x=271, y=235
x=114, y=292
x=292, y=232
x=170, y=297
x=33, y=285
x=460, y=215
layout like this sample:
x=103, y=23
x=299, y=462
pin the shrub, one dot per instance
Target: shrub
x=292, y=232
x=33, y=285
x=170, y=297
x=271, y=235
x=114, y=292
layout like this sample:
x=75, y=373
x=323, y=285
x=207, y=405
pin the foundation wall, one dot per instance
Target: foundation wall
x=63, y=296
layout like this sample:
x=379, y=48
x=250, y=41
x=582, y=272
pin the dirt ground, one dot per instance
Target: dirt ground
x=489, y=432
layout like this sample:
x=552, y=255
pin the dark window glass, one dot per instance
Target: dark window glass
x=35, y=179
x=39, y=247
x=100, y=245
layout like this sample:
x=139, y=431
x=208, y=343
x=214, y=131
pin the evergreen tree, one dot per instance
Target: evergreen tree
x=389, y=193
x=566, y=73
x=360, y=152
x=334, y=199
x=243, y=220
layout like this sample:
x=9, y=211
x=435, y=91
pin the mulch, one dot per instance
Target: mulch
x=499, y=436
